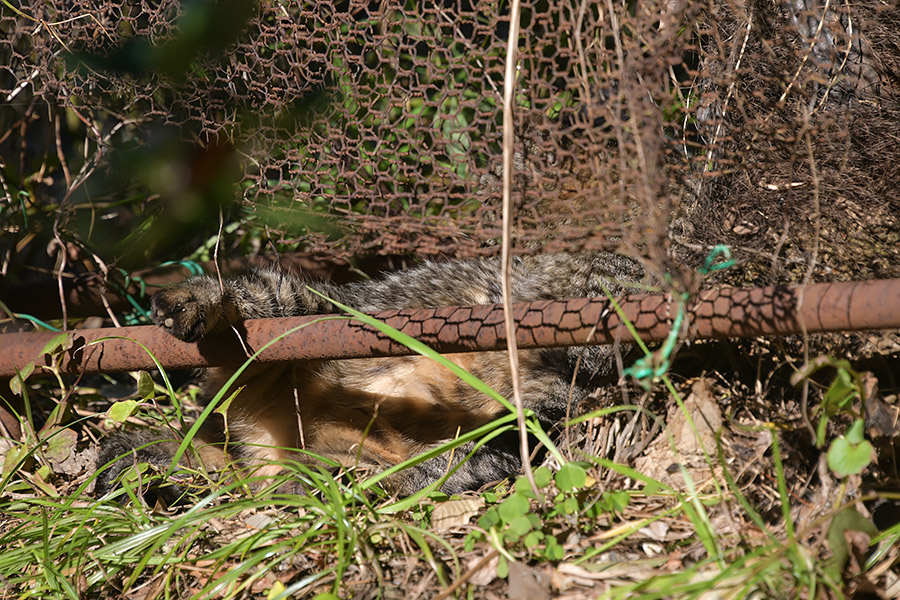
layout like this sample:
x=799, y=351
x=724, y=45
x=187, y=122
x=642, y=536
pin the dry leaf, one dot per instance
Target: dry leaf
x=455, y=513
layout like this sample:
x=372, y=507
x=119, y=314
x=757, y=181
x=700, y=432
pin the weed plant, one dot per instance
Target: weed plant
x=234, y=536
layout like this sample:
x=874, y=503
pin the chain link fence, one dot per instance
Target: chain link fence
x=659, y=127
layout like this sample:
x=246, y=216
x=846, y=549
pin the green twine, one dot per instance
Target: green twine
x=129, y=278
x=193, y=267
x=136, y=316
x=36, y=321
x=139, y=315
x=655, y=364
x=720, y=249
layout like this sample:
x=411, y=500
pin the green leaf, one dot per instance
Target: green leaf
x=520, y=526
x=851, y=453
x=146, y=387
x=471, y=538
x=523, y=487
x=222, y=408
x=855, y=434
x=15, y=384
x=277, y=591
x=502, y=567
x=120, y=411
x=61, y=445
x=570, y=477
x=841, y=393
x=533, y=539
x=616, y=501
x=651, y=488
x=489, y=519
x=12, y=457
x=543, y=476
x=135, y=474
x=821, y=430
x=553, y=550
x=848, y=519
x=60, y=341
x=513, y=507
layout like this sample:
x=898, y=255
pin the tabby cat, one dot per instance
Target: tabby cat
x=376, y=411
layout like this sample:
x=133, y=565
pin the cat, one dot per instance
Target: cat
x=378, y=411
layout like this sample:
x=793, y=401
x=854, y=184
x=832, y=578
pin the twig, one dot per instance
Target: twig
x=222, y=282
x=809, y=51
x=804, y=398
x=509, y=86
x=295, y=387
x=59, y=149
x=104, y=268
x=731, y=87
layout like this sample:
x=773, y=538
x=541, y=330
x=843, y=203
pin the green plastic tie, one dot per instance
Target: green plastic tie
x=36, y=321
x=193, y=267
x=138, y=315
x=719, y=249
x=655, y=364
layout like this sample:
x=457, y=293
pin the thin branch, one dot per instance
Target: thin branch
x=509, y=86
x=804, y=391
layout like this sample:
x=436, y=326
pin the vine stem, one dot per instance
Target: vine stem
x=509, y=86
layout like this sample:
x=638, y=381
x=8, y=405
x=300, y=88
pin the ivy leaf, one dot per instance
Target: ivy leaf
x=146, y=387
x=15, y=384
x=841, y=392
x=120, y=411
x=850, y=453
x=59, y=341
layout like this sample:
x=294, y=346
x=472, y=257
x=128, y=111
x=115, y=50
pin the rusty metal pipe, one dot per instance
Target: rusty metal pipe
x=721, y=313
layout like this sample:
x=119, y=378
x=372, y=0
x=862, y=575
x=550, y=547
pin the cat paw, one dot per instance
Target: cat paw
x=187, y=311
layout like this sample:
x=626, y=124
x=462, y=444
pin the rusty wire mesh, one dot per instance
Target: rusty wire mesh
x=662, y=127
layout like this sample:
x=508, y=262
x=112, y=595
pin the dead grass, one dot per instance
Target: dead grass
x=725, y=496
